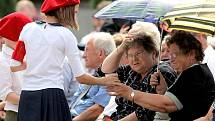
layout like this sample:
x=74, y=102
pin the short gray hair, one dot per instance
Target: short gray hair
x=103, y=40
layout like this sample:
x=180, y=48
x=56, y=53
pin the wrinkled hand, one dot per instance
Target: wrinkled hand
x=2, y=104
x=161, y=86
x=19, y=68
x=24, y=65
x=124, y=29
x=2, y=115
x=110, y=79
x=119, y=89
x=127, y=40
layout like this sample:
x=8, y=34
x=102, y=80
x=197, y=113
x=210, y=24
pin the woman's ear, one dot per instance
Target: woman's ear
x=154, y=55
x=192, y=55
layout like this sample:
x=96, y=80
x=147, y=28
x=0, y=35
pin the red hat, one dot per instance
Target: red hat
x=12, y=24
x=49, y=5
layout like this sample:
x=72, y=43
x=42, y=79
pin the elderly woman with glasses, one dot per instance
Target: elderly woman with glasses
x=191, y=95
x=142, y=55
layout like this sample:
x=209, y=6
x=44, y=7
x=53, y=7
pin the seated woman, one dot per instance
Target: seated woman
x=142, y=55
x=191, y=95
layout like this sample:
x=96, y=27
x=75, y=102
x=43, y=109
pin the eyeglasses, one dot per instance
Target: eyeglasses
x=136, y=55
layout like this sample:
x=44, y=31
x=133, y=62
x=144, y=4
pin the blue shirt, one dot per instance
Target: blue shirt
x=96, y=95
x=70, y=84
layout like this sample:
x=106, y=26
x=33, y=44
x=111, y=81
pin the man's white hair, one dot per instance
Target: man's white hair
x=103, y=40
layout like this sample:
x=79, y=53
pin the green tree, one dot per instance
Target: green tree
x=93, y=3
x=7, y=6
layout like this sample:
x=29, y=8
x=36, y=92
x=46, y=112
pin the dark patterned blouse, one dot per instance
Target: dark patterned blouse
x=133, y=79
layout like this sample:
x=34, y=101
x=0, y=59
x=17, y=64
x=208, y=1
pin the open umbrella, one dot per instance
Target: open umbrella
x=194, y=24
x=199, y=8
x=197, y=16
x=136, y=9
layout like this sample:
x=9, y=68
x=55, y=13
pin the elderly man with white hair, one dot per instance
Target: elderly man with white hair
x=89, y=101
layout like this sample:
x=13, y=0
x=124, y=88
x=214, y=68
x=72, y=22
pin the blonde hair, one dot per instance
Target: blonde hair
x=147, y=29
x=118, y=38
x=66, y=16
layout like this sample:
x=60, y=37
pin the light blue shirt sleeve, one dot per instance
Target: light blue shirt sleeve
x=70, y=84
x=102, y=98
x=96, y=95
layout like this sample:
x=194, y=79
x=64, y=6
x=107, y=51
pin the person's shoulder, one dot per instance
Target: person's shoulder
x=197, y=69
x=198, y=66
x=193, y=68
x=205, y=69
x=29, y=25
x=66, y=32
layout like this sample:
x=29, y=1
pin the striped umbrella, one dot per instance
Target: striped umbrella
x=197, y=16
x=199, y=8
x=194, y=24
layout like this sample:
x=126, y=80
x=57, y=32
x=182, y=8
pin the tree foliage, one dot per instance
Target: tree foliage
x=94, y=3
x=7, y=6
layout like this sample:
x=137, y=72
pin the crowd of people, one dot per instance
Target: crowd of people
x=118, y=73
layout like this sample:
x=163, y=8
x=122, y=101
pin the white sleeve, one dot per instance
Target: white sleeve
x=14, y=63
x=175, y=100
x=24, y=30
x=5, y=81
x=73, y=55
